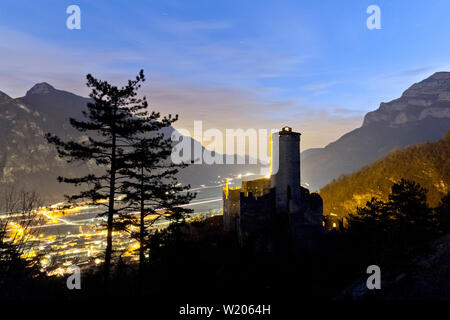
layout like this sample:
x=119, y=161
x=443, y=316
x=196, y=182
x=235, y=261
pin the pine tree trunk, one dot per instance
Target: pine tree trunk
x=141, y=235
x=108, y=252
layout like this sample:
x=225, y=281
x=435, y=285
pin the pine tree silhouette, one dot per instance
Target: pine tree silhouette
x=152, y=188
x=113, y=120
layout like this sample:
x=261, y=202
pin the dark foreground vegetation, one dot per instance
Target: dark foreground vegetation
x=197, y=261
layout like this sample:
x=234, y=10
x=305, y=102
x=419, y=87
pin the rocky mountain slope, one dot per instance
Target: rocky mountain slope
x=26, y=160
x=421, y=114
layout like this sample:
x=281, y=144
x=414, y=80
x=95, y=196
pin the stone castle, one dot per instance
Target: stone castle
x=267, y=211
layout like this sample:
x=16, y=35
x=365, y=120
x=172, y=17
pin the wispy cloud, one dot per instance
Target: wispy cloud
x=409, y=73
x=318, y=86
x=214, y=82
x=233, y=108
x=346, y=112
x=191, y=26
x=26, y=60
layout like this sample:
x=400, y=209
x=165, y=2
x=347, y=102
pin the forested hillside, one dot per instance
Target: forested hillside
x=427, y=164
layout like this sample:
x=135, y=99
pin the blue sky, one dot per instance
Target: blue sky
x=313, y=65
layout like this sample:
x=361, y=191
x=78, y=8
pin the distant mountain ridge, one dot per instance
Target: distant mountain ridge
x=27, y=160
x=421, y=114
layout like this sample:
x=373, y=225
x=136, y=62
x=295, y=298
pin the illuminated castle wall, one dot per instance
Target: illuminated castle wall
x=252, y=209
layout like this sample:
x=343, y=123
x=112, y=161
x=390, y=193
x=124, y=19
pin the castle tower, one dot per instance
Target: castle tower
x=285, y=169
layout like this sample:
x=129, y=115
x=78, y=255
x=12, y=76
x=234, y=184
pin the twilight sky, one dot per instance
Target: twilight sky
x=313, y=65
